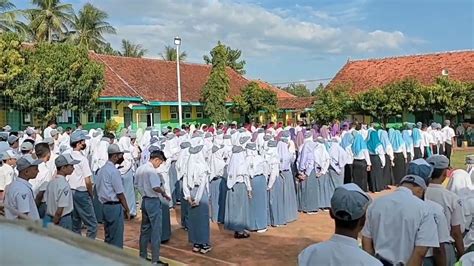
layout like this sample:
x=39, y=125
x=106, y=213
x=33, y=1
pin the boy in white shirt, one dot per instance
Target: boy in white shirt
x=7, y=173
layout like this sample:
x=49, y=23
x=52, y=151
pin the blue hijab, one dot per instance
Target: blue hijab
x=347, y=140
x=373, y=141
x=416, y=136
x=358, y=145
x=396, y=139
x=407, y=138
x=383, y=136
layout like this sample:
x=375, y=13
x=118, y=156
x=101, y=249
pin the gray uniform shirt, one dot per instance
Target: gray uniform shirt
x=108, y=183
x=19, y=197
x=339, y=250
x=147, y=178
x=58, y=195
x=397, y=223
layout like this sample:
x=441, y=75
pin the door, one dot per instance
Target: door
x=127, y=117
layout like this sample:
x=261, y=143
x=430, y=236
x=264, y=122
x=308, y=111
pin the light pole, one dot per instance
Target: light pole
x=177, y=42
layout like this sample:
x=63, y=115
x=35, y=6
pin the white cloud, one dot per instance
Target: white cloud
x=251, y=28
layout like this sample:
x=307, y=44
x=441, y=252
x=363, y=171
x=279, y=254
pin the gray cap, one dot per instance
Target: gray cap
x=65, y=159
x=414, y=179
x=285, y=134
x=26, y=146
x=12, y=139
x=60, y=129
x=154, y=133
x=114, y=148
x=349, y=202
x=470, y=159
x=132, y=135
x=164, y=131
x=153, y=148
x=420, y=168
x=26, y=161
x=53, y=132
x=30, y=131
x=50, y=141
x=8, y=154
x=7, y=128
x=438, y=161
x=78, y=135
x=170, y=136
x=447, y=122
x=251, y=146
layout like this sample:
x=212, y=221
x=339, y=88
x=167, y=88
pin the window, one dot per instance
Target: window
x=174, y=112
x=68, y=116
x=187, y=112
x=199, y=112
x=104, y=113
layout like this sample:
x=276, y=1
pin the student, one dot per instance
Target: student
x=389, y=157
x=7, y=172
x=40, y=183
x=47, y=131
x=377, y=158
x=450, y=202
x=434, y=256
x=399, y=227
x=275, y=186
x=289, y=192
x=195, y=189
x=149, y=184
x=417, y=141
x=400, y=155
x=426, y=141
x=362, y=164
x=348, y=207
x=308, y=185
x=59, y=195
x=182, y=171
x=81, y=184
x=111, y=194
x=217, y=167
x=258, y=170
x=19, y=198
x=14, y=142
x=26, y=148
x=448, y=136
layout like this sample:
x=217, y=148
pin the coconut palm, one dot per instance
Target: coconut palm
x=8, y=18
x=90, y=26
x=130, y=49
x=169, y=54
x=50, y=17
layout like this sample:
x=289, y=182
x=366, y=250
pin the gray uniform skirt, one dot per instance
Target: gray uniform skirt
x=165, y=220
x=337, y=180
x=289, y=196
x=324, y=191
x=258, y=204
x=184, y=208
x=309, y=193
x=198, y=225
x=237, y=208
x=217, y=197
x=277, y=203
x=174, y=183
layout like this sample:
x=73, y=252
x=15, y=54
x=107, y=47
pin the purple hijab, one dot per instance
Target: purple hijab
x=335, y=129
x=300, y=138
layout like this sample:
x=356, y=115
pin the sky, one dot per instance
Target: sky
x=286, y=41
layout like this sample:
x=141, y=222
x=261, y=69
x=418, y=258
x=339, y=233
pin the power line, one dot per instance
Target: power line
x=300, y=81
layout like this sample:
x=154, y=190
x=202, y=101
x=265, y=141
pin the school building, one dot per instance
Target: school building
x=362, y=75
x=141, y=92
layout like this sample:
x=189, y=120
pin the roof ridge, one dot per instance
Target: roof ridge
x=411, y=55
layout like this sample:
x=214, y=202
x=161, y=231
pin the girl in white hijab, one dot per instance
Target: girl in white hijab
x=275, y=185
x=127, y=171
x=217, y=187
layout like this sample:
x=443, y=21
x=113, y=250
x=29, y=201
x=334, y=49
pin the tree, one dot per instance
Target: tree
x=318, y=88
x=57, y=77
x=107, y=49
x=298, y=90
x=231, y=60
x=216, y=89
x=332, y=104
x=448, y=97
x=11, y=59
x=373, y=102
x=130, y=49
x=169, y=54
x=51, y=17
x=9, y=19
x=254, y=99
x=90, y=25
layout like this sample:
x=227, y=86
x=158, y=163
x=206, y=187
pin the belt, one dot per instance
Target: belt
x=146, y=197
x=111, y=202
x=196, y=185
x=65, y=215
x=383, y=261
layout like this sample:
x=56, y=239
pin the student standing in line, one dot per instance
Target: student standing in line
x=400, y=155
x=40, y=183
x=362, y=164
x=7, y=171
x=149, y=184
x=59, y=195
x=258, y=170
x=348, y=207
x=448, y=136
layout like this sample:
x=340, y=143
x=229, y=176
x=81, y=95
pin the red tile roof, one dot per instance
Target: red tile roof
x=279, y=92
x=363, y=75
x=296, y=103
x=155, y=80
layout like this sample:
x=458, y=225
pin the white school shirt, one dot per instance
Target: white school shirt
x=449, y=134
x=41, y=181
x=444, y=235
x=7, y=174
x=47, y=132
x=338, y=250
x=397, y=223
x=364, y=155
x=58, y=195
x=381, y=153
x=108, y=183
x=19, y=197
x=450, y=202
x=146, y=178
x=77, y=180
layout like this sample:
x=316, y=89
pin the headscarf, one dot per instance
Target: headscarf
x=217, y=162
x=300, y=139
x=237, y=166
x=335, y=129
x=306, y=159
x=416, y=136
x=324, y=132
x=285, y=156
x=359, y=144
x=197, y=167
x=407, y=139
x=347, y=140
x=383, y=136
x=396, y=139
x=339, y=157
x=373, y=142
x=293, y=134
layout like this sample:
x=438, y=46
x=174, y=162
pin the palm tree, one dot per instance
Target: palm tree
x=90, y=25
x=169, y=54
x=232, y=57
x=8, y=18
x=130, y=49
x=50, y=17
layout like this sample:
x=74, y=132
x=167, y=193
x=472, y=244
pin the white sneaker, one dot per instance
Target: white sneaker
x=262, y=230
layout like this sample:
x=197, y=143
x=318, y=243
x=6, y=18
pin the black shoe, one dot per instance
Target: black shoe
x=196, y=248
x=241, y=235
x=160, y=263
x=205, y=249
